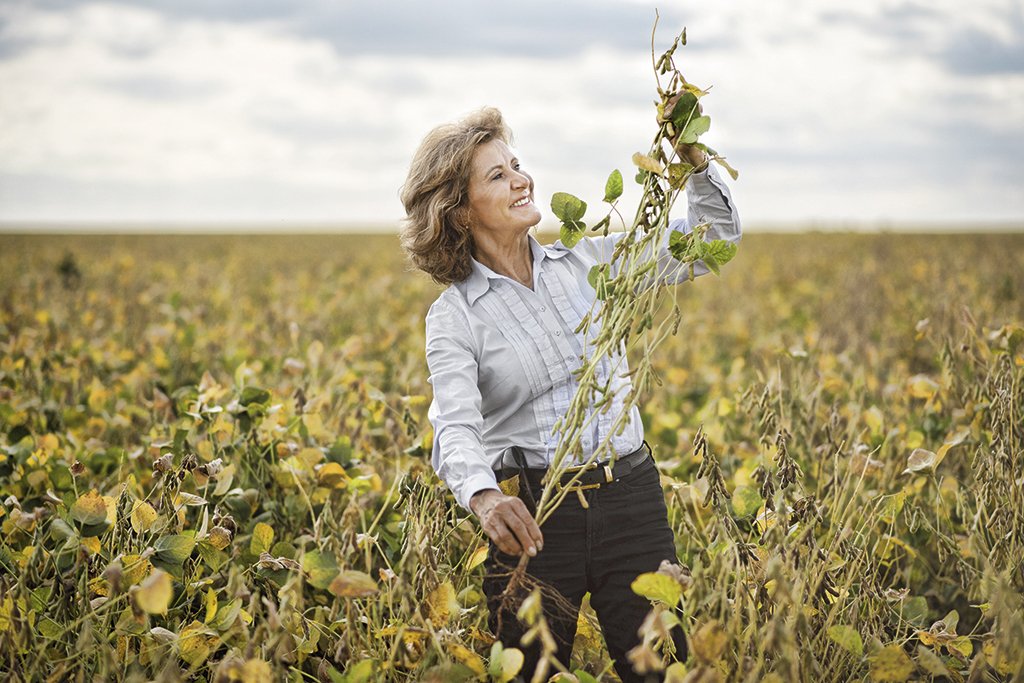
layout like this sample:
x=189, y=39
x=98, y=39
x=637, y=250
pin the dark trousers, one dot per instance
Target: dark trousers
x=602, y=549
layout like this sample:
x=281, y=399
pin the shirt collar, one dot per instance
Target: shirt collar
x=479, y=280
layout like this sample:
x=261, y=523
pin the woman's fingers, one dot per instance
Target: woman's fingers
x=509, y=524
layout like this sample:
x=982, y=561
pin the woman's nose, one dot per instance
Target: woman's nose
x=520, y=179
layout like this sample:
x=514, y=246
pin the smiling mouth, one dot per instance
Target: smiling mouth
x=522, y=202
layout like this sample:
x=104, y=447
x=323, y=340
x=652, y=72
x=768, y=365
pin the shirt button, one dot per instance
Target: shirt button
x=543, y=309
x=558, y=333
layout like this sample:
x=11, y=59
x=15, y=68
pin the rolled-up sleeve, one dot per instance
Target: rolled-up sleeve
x=457, y=454
x=708, y=201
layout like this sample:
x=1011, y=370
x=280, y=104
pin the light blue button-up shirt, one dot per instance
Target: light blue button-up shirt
x=501, y=356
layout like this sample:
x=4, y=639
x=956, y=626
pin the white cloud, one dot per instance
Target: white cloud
x=831, y=112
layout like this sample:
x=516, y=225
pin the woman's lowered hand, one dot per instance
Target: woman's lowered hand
x=507, y=522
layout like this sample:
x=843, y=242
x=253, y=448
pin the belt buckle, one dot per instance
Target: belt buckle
x=609, y=477
x=580, y=488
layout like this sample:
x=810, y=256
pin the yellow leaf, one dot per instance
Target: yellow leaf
x=97, y=396
x=468, y=657
x=874, y=419
x=315, y=426
x=224, y=480
x=257, y=671
x=442, y=604
x=510, y=486
x=311, y=456
x=963, y=645
x=155, y=593
x=477, y=558
x=92, y=544
x=998, y=658
x=950, y=443
x=196, y=643
x=135, y=568
x=353, y=584
x=709, y=642
x=890, y=664
x=922, y=386
x=332, y=475
x=90, y=508
x=262, y=538
x=724, y=407
x=6, y=608
x=143, y=516
x=219, y=537
x=511, y=663
x=211, y=605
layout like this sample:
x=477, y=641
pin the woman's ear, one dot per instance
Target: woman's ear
x=463, y=218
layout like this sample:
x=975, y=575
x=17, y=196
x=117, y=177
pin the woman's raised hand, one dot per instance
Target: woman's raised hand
x=690, y=153
x=507, y=522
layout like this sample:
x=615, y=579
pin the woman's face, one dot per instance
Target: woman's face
x=500, y=193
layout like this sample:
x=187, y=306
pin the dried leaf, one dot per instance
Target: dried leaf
x=353, y=584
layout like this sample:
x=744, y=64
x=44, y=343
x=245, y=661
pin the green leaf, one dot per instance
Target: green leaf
x=915, y=610
x=226, y=615
x=174, y=549
x=683, y=112
x=262, y=538
x=660, y=587
x=48, y=628
x=848, y=638
x=717, y=253
x=567, y=208
x=683, y=246
x=746, y=501
x=361, y=672
x=613, y=188
x=211, y=557
x=252, y=395
x=694, y=129
x=320, y=567
x=571, y=233
x=598, y=279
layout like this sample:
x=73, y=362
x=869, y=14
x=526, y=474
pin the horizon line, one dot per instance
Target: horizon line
x=371, y=227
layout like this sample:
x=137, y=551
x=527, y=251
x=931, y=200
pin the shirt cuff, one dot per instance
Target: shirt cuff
x=473, y=485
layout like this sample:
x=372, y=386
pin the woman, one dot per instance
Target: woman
x=501, y=347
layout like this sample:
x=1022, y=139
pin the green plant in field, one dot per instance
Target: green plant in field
x=628, y=292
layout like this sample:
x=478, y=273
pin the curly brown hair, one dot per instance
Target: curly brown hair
x=435, y=233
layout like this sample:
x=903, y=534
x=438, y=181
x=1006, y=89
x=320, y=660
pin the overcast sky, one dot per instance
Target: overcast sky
x=284, y=112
